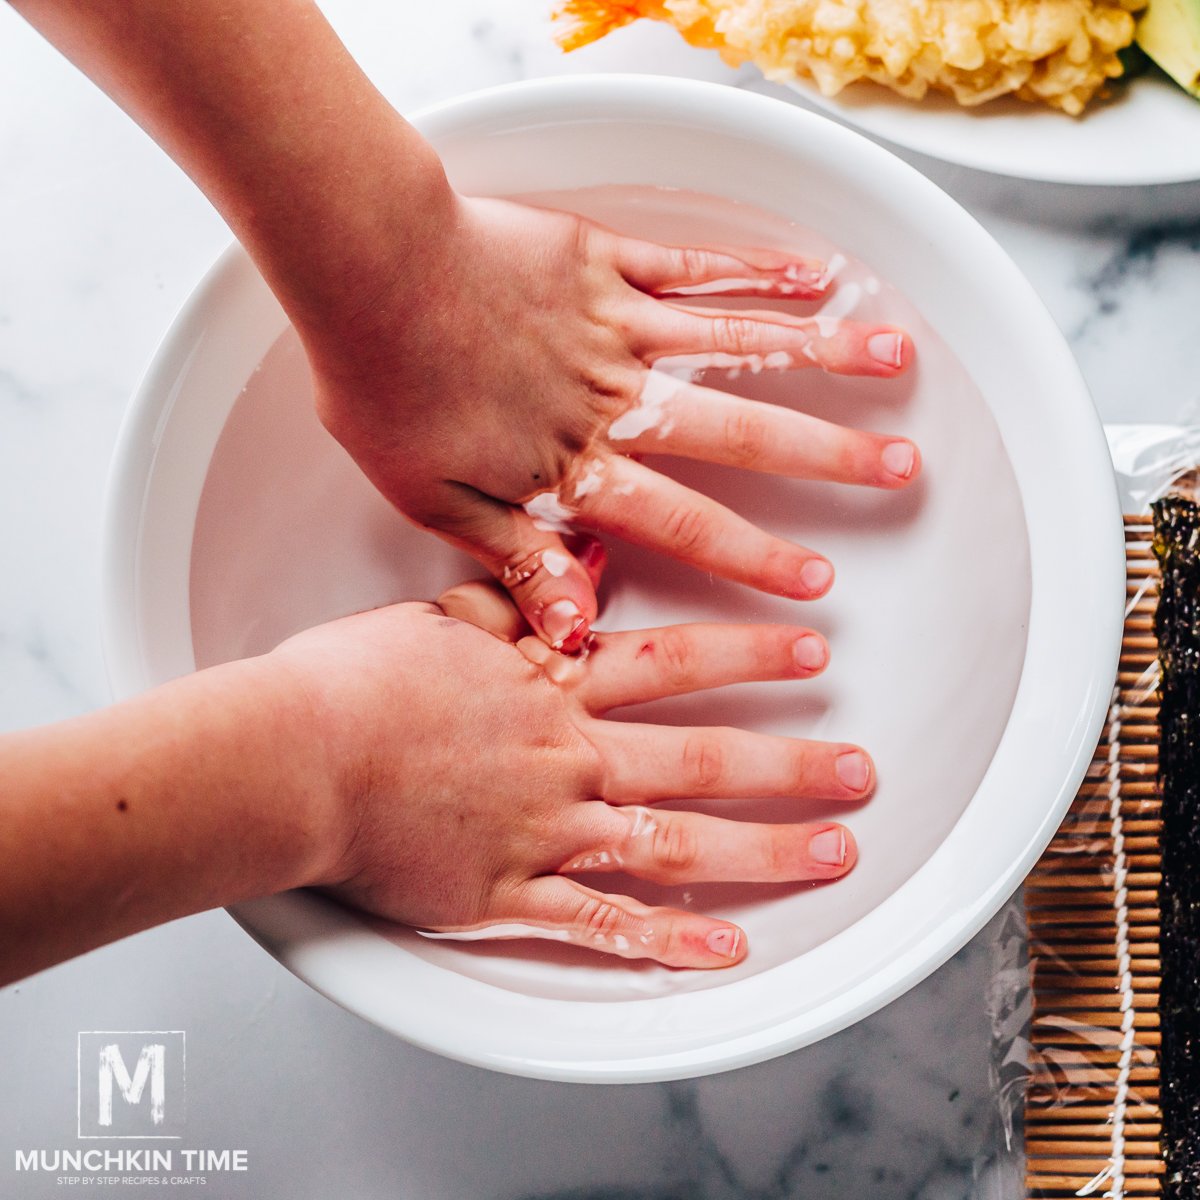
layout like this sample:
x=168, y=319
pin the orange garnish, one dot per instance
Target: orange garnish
x=590, y=20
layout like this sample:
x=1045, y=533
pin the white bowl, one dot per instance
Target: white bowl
x=975, y=625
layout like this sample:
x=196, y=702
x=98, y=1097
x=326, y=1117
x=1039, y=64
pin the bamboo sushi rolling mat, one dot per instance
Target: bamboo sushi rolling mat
x=1092, y=1116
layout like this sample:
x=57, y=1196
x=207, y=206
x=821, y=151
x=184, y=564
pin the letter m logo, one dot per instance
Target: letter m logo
x=151, y=1064
x=131, y=1083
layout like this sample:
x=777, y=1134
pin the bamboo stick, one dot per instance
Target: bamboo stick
x=1137, y=1111
x=1146, y=1042
x=1089, y=1167
x=1083, y=968
x=1068, y=981
x=1090, y=949
x=1144, y=1129
x=1052, y=1149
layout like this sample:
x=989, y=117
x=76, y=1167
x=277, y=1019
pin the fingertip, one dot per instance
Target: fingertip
x=889, y=350
x=832, y=851
x=918, y=463
x=560, y=604
x=816, y=578
x=679, y=939
x=851, y=853
x=810, y=653
x=577, y=640
x=561, y=624
x=901, y=462
x=855, y=771
x=723, y=945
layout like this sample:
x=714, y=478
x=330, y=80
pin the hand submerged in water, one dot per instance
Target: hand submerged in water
x=471, y=801
x=498, y=401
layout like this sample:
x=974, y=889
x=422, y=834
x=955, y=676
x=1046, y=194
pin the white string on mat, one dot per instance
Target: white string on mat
x=1137, y=596
x=1147, y=683
x=1114, y=1173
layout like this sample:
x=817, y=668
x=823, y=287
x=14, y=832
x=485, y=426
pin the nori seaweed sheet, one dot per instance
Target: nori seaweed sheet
x=1177, y=624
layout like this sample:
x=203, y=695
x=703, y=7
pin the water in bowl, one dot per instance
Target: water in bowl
x=926, y=621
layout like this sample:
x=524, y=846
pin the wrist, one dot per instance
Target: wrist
x=314, y=741
x=370, y=247
x=308, y=824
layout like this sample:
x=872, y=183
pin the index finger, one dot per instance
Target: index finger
x=649, y=664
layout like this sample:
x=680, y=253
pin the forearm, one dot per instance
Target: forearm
x=264, y=107
x=207, y=791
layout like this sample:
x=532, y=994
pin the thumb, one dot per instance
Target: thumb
x=483, y=602
x=551, y=586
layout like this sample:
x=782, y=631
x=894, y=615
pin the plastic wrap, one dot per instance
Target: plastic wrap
x=1059, y=1076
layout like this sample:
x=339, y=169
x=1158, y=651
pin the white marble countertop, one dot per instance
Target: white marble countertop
x=101, y=238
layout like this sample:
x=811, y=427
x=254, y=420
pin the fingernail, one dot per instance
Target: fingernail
x=724, y=941
x=809, y=653
x=816, y=575
x=560, y=620
x=886, y=348
x=898, y=459
x=829, y=847
x=852, y=769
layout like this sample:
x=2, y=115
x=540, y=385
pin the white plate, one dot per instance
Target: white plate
x=1148, y=133
x=982, y=728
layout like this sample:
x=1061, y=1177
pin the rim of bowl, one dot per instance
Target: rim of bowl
x=276, y=922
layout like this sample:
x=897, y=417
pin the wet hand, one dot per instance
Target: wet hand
x=505, y=400
x=484, y=794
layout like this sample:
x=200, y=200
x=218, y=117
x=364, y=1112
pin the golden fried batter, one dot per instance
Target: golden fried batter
x=1059, y=52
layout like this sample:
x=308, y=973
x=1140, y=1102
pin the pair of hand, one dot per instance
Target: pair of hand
x=511, y=412
x=481, y=783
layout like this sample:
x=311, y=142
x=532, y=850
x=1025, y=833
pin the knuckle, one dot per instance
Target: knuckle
x=703, y=762
x=586, y=242
x=688, y=529
x=781, y=857
x=674, y=849
x=588, y=768
x=676, y=657
x=735, y=335
x=598, y=919
x=800, y=767
x=523, y=573
x=745, y=437
x=579, y=429
x=693, y=264
x=665, y=945
x=610, y=390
